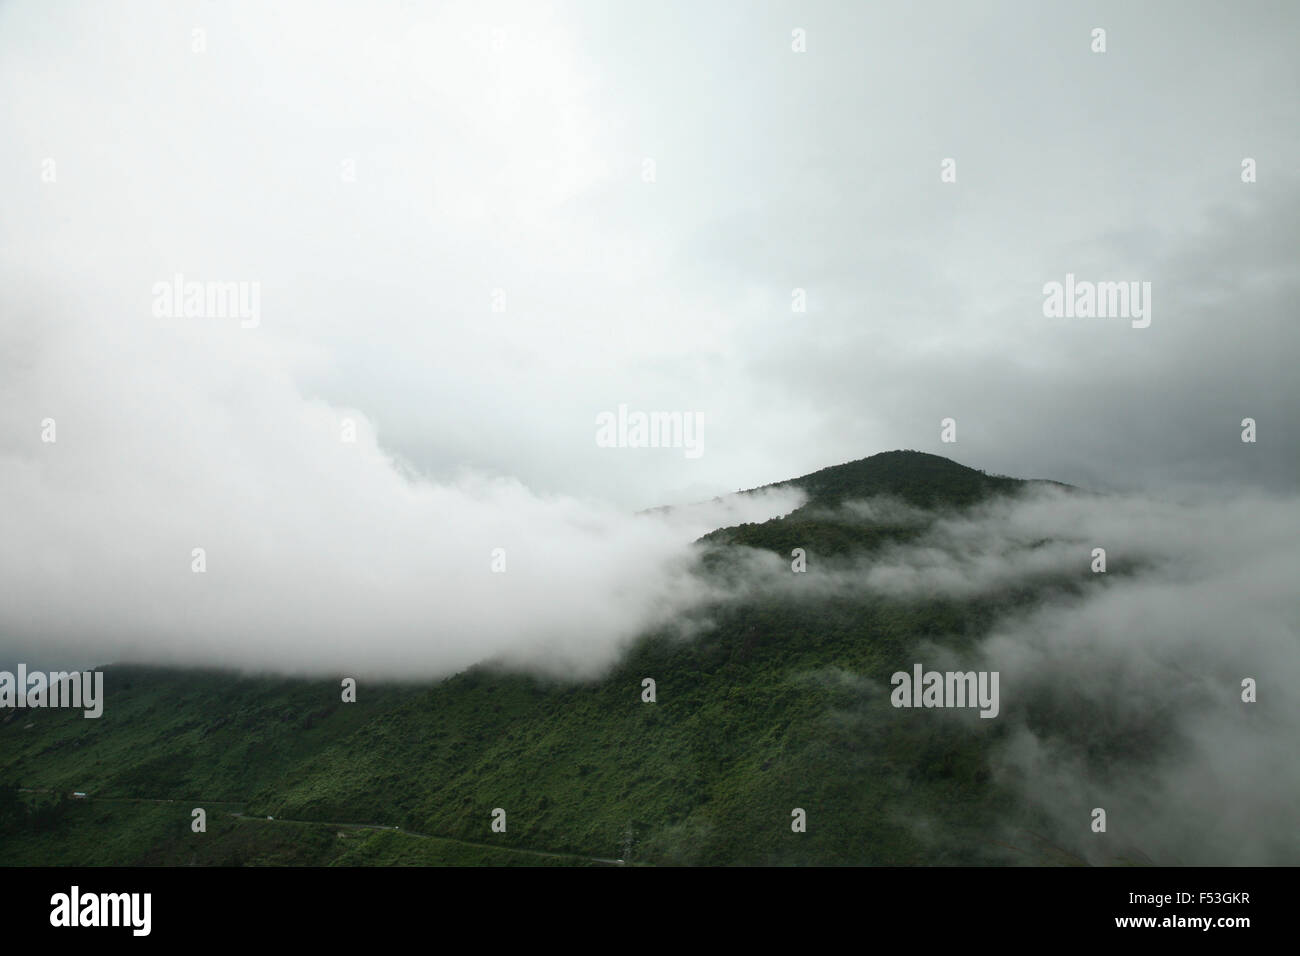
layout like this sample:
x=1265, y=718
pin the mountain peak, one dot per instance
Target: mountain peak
x=917, y=477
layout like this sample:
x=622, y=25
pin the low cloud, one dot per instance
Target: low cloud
x=1121, y=691
x=321, y=555
x=1151, y=668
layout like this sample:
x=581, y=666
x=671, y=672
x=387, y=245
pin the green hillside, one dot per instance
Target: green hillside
x=778, y=704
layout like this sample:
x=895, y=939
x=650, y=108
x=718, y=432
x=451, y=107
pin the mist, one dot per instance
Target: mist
x=320, y=555
x=1148, y=658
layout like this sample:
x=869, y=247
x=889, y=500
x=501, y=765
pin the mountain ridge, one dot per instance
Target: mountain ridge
x=766, y=707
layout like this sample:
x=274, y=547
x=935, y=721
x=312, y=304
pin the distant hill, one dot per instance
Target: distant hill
x=913, y=478
x=774, y=705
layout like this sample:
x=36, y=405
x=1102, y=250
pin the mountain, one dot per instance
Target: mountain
x=773, y=705
x=920, y=479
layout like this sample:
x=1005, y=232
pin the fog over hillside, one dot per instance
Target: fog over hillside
x=313, y=316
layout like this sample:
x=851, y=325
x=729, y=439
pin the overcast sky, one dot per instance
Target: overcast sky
x=475, y=227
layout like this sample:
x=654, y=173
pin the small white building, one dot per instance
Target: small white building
x=78, y=795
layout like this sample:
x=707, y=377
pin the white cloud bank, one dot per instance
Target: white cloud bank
x=321, y=555
x=1145, y=662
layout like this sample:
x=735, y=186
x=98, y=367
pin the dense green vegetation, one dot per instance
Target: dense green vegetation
x=778, y=704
